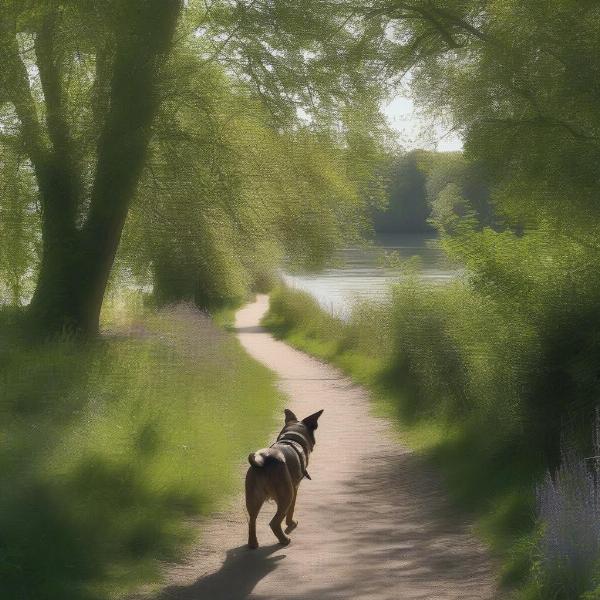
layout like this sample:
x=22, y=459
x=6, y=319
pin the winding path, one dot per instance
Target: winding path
x=373, y=522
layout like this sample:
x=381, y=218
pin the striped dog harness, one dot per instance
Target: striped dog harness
x=287, y=438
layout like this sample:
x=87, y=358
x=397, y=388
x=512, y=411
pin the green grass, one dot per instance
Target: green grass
x=488, y=470
x=108, y=448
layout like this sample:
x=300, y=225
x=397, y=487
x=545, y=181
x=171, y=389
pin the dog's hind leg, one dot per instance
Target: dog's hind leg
x=255, y=498
x=289, y=517
x=284, y=496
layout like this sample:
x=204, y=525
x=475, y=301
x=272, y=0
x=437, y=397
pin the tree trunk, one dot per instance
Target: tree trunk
x=54, y=303
x=76, y=263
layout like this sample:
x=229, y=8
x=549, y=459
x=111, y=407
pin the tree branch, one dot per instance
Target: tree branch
x=461, y=23
x=16, y=81
x=67, y=179
x=543, y=121
x=50, y=76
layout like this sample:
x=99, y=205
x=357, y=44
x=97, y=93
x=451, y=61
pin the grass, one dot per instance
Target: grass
x=488, y=470
x=108, y=448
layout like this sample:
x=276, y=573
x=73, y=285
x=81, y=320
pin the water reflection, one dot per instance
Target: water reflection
x=364, y=273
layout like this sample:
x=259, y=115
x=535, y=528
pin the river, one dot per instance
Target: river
x=364, y=272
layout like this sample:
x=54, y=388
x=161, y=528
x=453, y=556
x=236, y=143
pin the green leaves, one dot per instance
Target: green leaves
x=19, y=229
x=225, y=195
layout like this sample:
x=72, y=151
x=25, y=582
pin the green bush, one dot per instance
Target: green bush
x=108, y=448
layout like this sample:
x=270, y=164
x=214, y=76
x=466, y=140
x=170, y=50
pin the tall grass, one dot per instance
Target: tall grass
x=569, y=546
x=568, y=503
x=108, y=448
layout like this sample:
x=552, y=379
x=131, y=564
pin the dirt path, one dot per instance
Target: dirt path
x=373, y=523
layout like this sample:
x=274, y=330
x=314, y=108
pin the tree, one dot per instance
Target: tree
x=225, y=195
x=87, y=159
x=455, y=188
x=408, y=208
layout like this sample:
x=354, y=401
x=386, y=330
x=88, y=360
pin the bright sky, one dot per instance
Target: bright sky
x=416, y=131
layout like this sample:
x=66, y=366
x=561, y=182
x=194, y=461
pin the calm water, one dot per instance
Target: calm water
x=362, y=272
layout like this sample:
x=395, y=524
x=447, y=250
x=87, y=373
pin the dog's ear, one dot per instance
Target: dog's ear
x=290, y=417
x=311, y=420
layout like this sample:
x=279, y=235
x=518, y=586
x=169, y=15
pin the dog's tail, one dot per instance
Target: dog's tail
x=264, y=457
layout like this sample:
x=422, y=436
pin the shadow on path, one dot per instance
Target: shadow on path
x=250, y=329
x=409, y=529
x=235, y=580
x=387, y=534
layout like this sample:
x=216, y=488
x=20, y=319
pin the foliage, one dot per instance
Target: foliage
x=109, y=448
x=225, y=196
x=456, y=186
x=424, y=188
x=19, y=229
x=319, y=58
x=503, y=73
x=523, y=94
x=407, y=208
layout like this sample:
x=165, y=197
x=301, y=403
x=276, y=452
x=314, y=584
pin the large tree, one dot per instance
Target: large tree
x=81, y=79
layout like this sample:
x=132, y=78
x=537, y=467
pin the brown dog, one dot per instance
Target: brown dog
x=276, y=473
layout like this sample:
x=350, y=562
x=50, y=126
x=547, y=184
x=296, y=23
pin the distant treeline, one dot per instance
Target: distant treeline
x=419, y=183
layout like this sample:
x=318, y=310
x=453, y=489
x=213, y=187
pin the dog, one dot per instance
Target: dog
x=276, y=472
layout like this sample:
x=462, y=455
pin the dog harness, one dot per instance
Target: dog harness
x=287, y=438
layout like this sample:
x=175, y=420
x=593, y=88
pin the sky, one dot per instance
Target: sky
x=416, y=131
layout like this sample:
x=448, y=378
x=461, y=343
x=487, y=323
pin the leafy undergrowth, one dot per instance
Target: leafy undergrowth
x=488, y=467
x=108, y=448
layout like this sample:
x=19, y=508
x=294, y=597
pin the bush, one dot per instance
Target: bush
x=298, y=313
